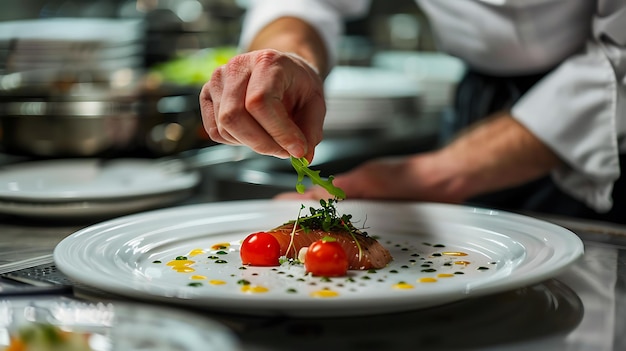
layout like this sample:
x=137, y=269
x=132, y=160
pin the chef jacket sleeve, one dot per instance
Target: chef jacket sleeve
x=325, y=16
x=579, y=110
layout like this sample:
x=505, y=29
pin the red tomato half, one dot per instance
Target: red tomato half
x=326, y=258
x=260, y=249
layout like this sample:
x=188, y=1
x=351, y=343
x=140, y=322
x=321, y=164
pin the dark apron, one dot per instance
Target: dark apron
x=480, y=95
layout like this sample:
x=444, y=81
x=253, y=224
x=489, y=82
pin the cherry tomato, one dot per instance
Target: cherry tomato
x=260, y=249
x=326, y=258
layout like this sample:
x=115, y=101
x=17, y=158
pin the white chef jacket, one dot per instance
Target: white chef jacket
x=578, y=109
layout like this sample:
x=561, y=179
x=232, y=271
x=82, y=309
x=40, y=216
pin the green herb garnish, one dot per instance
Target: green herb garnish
x=326, y=217
x=301, y=165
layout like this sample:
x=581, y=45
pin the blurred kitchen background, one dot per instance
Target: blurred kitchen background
x=120, y=78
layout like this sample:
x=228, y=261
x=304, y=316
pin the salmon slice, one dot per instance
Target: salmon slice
x=373, y=254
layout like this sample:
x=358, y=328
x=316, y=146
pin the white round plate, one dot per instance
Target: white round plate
x=130, y=255
x=91, y=179
x=119, y=326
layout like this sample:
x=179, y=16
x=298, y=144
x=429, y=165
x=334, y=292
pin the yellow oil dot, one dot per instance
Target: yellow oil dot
x=216, y=282
x=324, y=293
x=462, y=263
x=184, y=269
x=454, y=253
x=254, y=289
x=177, y=263
x=182, y=266
x=403, y=286
x=220, y=246
x=445, y=275
x=427, y=280
x=196, y=252
x=197, y=277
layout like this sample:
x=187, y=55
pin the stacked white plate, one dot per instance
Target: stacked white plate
x=367, y=98
x=90, y=188
x=438, y=74
x=71, y=43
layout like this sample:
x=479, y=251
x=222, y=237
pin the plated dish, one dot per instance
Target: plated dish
x=441, y=253
x=26, y=323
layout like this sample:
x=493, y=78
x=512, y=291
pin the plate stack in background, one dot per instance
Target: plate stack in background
x=368, y=99
x=436, y=73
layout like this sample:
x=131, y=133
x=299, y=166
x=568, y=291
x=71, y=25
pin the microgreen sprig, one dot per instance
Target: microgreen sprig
x=301, y=165
x=324, y=218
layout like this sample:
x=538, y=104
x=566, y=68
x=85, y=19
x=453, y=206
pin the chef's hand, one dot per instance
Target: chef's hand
x=494, y=155
x=388, y=178
x=271, y=101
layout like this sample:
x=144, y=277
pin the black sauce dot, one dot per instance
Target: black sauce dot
x=436, y=254
x=393, y=271
x=415, y=255
x=429, y=270
x=157, y=261
x=291, y=291
x=371, y=271
x=481, y=268
x=404, y=266
x=213, y=257
x=242, y=268
x=439, y=245
x=425, y=265
x=195, y=284
x=365, y=277
x=459, y=273
x=243, y=282
x=221, y=261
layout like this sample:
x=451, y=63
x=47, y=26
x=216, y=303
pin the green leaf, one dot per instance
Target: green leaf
x=301, y=165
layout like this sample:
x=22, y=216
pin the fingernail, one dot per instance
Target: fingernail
x=295, y=150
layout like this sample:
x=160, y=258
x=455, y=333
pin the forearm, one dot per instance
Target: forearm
x=289, y=34
x=496, y=154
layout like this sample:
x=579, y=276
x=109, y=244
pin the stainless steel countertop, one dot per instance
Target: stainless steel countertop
x=581, y=309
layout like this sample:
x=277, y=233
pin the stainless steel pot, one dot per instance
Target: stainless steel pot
x=70, y=128
x=70, y=115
